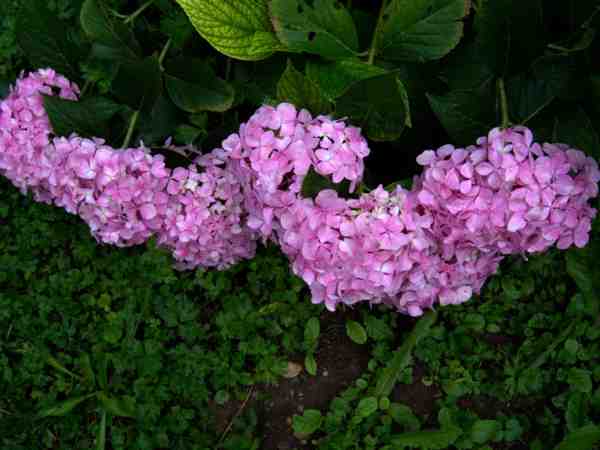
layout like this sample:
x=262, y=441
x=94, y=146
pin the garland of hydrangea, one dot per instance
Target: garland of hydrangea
x=411, y=249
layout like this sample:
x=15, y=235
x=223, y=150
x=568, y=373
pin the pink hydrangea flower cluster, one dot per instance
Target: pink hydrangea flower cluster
x=434, y=244
x=125, y=196
x=275, y=150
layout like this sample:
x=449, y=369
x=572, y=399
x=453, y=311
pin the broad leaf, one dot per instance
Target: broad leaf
x=309, y=422
x=379, y=105
x=87, y=117
x=240, y=29
x=575, y=128
x=194, y=87
x=403, y=415
x=366, y=407
x=421, y=30
x=584, y=438
x=295, y=88
x=531, y=91
x=322, y=27
x=312, y=330
x=465, y=114
x=356, y=332
x=485, y=430
x=499, y=24
x=44, y=40
x=63, y=408
x=427, y=440
x=335, y=77
x=310, y=364
x=140, y=92
x=108, y=32
x=118, y=406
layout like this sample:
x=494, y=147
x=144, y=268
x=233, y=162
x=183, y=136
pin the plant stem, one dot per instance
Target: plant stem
x=132, y=123
x=163, y=53
x=373, y=49
x=137, y=12
x=503, y=103
x=85, y=87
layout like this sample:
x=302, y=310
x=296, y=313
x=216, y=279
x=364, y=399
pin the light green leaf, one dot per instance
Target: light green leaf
x=582, y=439
x=63, y=408
x=310, y=364
x=427, y=440
x=297, y=89
x=356, y=332
x=104, y=29
x=401, y=357
x=379, y=105
x=240, y=29
x=377, y=328
x=323, y=27
x=335, y=77
x=118, y=406
x=366, y=407
x=86, y=369
x=309, y=422
x=194, y=87
x=87, y=117
x=312, y=330
x=485, y=430
x=52, y=361
x=422, y=30
x=404, y=416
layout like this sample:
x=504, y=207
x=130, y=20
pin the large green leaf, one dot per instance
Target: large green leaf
x=111, y=36
x=87, y=117
x=465, y=114
x=296, y=88
x=138, y=83
x=379, y=105
x=240, y=29
x=335, y=77
x=322, y=27
x=401, y=357
x=584, y=438
x=500, y=24
x=427, y=440
x=531, y=91
x=44, y=39
x=194, y=87
x=421, y=30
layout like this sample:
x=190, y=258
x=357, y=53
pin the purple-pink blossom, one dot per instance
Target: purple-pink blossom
x=411, y=249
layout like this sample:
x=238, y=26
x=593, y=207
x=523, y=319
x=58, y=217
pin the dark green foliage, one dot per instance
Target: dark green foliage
x=112, y=348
